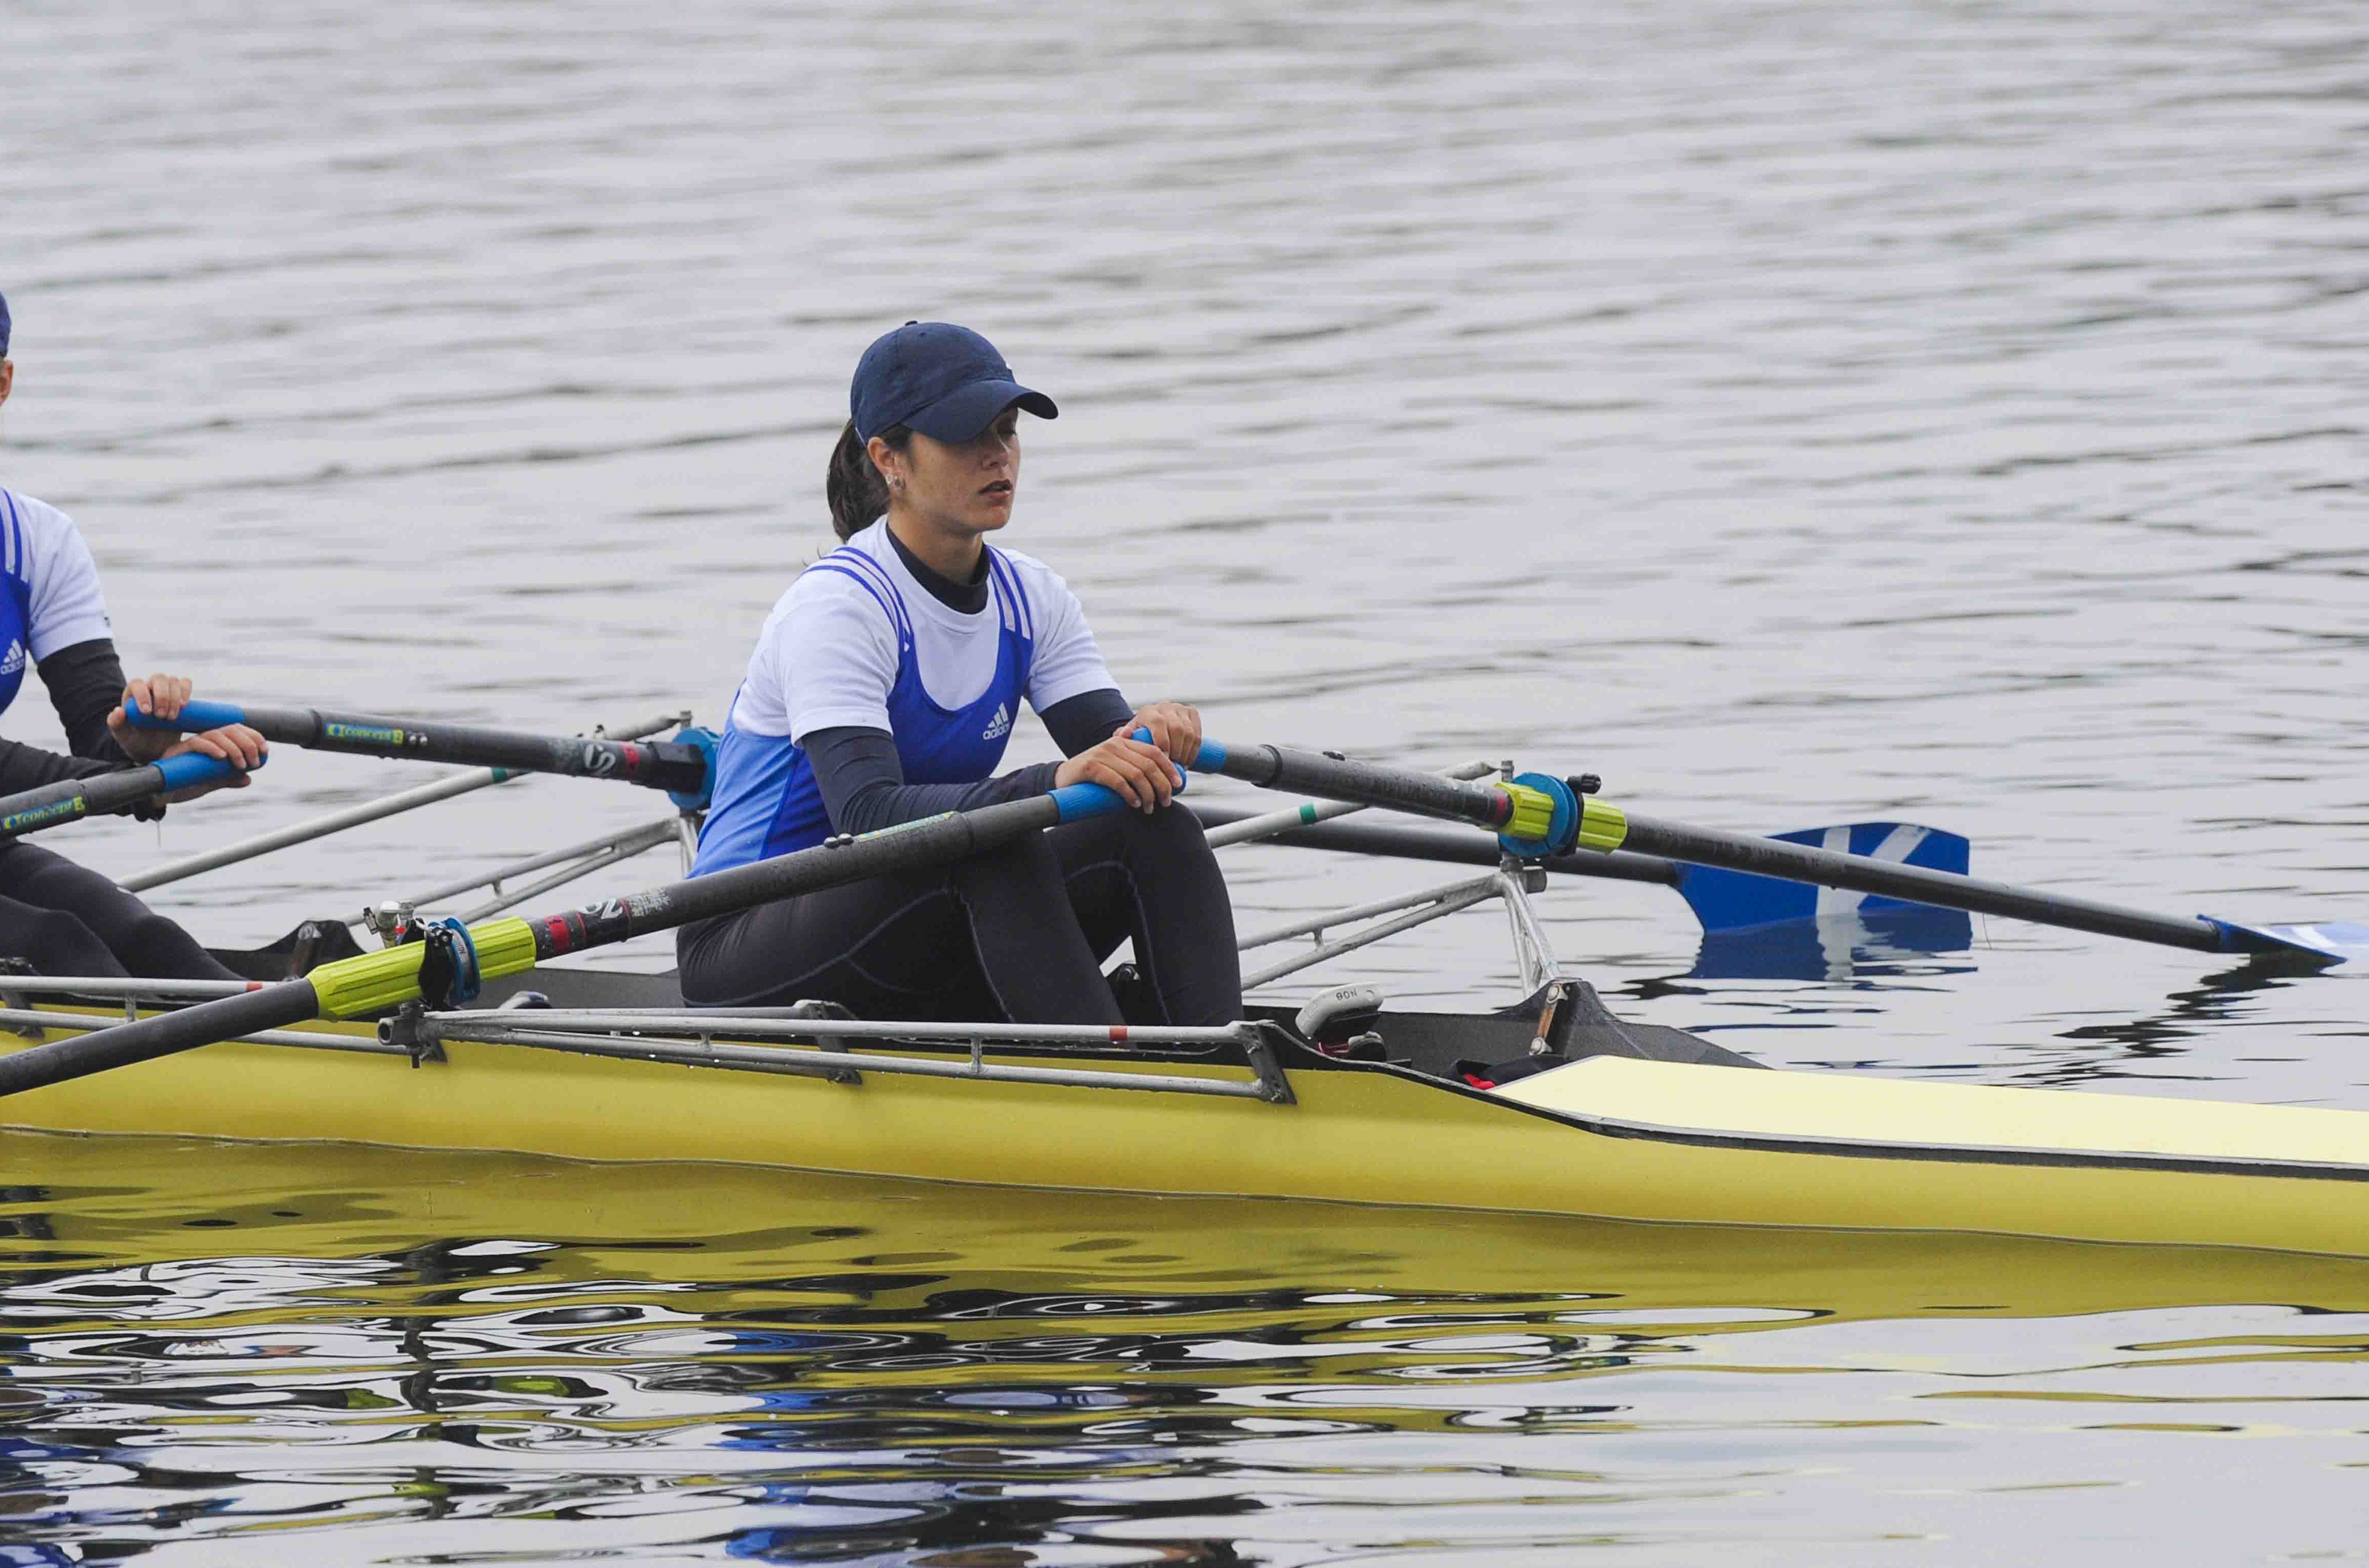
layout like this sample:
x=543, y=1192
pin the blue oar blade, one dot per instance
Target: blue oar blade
x=1734, y=900
x=2334, y=942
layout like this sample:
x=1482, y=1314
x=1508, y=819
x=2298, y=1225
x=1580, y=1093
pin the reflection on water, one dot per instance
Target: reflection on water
x=726, y=1362
x=1860, y=945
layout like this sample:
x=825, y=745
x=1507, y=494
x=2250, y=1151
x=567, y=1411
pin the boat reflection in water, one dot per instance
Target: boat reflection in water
x=769, y=1360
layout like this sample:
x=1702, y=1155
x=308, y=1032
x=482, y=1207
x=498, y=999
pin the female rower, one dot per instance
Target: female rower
x=55, y=915
x=883, y=689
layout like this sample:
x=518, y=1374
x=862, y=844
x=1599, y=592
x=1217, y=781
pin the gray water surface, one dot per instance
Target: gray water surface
x=1794, y=412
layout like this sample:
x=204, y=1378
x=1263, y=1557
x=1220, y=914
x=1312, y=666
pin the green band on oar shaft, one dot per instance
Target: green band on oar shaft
x=372, y=982
x=1449, y=846
x=1603, y=826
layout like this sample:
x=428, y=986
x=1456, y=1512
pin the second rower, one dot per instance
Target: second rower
x=884, y=687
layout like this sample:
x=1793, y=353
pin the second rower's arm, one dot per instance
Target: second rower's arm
x=863, y=786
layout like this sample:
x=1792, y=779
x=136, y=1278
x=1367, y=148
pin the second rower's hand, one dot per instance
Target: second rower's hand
x=1139, y=774
x=1175, y=728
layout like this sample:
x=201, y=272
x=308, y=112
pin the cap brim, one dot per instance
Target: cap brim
x=963, y=413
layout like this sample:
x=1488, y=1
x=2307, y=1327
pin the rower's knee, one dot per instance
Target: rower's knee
x=56, y=943
x=1027, y=868
x=1167, y=843
x=1174, y=830
x=148, y=943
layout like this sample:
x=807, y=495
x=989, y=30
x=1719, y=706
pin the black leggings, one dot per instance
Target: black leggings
x=1017, y=936
x=64, y=920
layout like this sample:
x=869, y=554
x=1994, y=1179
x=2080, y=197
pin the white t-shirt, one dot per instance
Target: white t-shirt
x=40, y=545
x=827, y=656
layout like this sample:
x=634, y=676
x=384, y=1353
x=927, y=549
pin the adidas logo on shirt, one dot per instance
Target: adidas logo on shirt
x=1000, y=726
x=16, y=662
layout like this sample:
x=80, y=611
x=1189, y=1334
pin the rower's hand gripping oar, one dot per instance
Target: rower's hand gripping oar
x=68, y=799
x=458, y=958
x=1536, y=815
x=684, y=766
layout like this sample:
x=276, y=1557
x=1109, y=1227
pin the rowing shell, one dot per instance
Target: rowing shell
x=1640, y=1126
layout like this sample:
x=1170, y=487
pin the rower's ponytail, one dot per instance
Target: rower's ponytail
x=853, y=486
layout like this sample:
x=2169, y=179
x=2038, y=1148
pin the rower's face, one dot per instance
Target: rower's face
x=8, y=378
x=968, y=485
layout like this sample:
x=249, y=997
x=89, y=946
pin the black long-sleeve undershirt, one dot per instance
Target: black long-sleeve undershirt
x=85, y=683
x=863, y=786
x=24, y=767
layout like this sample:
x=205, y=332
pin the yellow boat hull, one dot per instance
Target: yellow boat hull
x=1604, y=1137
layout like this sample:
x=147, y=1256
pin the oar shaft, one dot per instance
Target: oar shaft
x=34, y=809
x=1366, y=783
x=656, y=764
x=1859, y=873
x=1583, y=822
x=934, y=840
x=1448, y=846
x=1244, y=829
x=372, y=982
x=269, y=1007
x=449, y=788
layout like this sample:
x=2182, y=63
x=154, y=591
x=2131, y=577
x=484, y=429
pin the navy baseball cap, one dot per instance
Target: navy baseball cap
x=944, y=381
x=4, y=326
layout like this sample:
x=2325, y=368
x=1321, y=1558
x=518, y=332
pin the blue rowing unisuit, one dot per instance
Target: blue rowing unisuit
x=767, y=799
x=49, y=589
x=16, y=603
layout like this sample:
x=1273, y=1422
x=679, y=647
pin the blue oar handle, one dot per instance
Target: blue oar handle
x=192, y=769
x=196, y=717
x=1079, y=801
x=1210, y=759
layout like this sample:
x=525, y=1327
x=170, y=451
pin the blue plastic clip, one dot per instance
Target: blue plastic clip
x=1562, y=827
x=705, y=743
x=449, y=976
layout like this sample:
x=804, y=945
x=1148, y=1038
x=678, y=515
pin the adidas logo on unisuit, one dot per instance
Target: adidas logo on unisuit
x=1000, y=726
x=16, y=661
